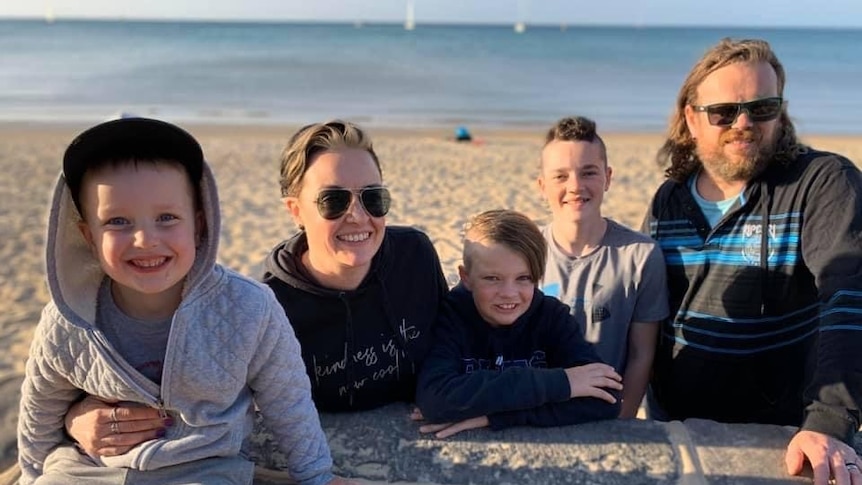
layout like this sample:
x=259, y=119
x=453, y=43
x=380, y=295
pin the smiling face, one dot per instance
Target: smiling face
x=574, y=178
x=345, y=245
x=140, y=221
x=499, y=280
x=737, y=152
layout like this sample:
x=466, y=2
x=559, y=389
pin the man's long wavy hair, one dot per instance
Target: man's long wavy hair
x=679, y=150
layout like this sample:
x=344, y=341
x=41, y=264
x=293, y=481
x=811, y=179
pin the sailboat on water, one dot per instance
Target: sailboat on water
x=520, y=26
x=410, y=20
x=49, y=14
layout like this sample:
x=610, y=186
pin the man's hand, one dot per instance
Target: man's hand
x=592, y=380
x=106, y=429
x=829, y=458
x=446, y=430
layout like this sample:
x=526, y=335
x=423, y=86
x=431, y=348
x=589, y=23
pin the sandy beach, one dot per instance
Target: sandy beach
x=436, y=184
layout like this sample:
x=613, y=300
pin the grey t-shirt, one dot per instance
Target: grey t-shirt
x=142, y=343
x=621, y=282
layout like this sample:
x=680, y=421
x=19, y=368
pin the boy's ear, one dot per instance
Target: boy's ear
x=88, y=236
x=465, y=277
x=609, y=173
x=292, y=205
x=540, y=184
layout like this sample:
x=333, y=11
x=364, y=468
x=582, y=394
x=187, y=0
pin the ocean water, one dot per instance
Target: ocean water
x=438, y=76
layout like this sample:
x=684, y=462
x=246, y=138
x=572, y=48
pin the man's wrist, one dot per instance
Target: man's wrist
x=826, y=422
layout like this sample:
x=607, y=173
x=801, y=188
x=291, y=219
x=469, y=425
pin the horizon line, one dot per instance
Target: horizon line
x=429, y=23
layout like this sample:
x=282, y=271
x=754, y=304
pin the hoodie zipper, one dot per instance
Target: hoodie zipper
x=765, y=200
x=122, y=368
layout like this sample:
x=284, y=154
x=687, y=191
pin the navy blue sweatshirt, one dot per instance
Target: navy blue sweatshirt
x=514, y=375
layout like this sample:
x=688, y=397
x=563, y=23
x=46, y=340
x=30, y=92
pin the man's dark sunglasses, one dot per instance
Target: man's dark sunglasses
x=334, y=203
x=725, y=114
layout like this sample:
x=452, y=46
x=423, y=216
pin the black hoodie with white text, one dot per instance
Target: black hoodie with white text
x=362, y=348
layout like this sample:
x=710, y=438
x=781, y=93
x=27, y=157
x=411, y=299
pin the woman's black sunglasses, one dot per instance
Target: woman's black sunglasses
x=725, y=114
x=335, y=202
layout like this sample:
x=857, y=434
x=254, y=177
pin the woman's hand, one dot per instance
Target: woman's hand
x=110, y=429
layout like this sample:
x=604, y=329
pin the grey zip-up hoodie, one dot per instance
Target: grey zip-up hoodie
x=230, y=346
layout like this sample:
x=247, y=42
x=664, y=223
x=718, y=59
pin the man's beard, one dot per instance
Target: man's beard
x=740, y=169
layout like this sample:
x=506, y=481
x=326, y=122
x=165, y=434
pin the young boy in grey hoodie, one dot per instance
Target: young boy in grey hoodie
x=141, y=313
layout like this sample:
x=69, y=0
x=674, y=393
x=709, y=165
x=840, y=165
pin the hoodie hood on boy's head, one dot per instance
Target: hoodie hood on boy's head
x=74, y=273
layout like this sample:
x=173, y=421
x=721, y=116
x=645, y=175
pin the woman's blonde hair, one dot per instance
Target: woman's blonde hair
x=310, y=141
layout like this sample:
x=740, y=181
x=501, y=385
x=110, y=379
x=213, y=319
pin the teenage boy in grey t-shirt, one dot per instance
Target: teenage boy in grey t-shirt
x=613, y=278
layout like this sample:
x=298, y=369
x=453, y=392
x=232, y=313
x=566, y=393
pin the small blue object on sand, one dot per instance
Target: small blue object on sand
x=462, y=134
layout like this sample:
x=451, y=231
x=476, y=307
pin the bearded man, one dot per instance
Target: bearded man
x=762, y=237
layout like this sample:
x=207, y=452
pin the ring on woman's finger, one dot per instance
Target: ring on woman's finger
x=114, y=415
x=115, y=427
x=852, y=467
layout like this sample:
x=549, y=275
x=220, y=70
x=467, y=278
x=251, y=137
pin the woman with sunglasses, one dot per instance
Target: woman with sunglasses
x=361, y=296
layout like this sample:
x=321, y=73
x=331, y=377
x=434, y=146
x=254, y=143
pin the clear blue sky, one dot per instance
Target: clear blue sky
x=817, y=13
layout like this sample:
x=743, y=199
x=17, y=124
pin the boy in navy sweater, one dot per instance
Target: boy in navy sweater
x=504, y=354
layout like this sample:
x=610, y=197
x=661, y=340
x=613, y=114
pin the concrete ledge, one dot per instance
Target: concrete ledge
x=384, y=446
